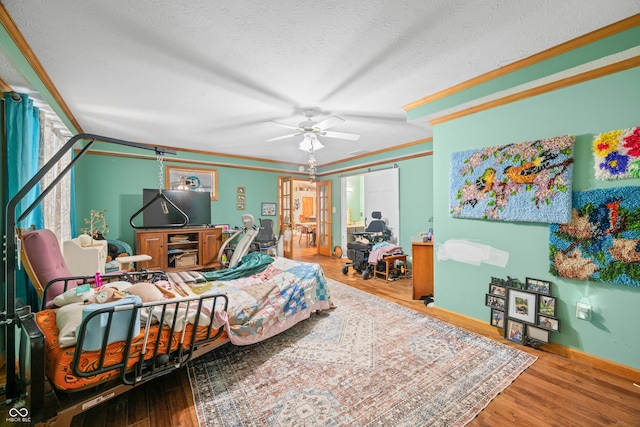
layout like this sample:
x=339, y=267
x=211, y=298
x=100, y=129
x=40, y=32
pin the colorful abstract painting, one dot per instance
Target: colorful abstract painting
x=602, y=241
x=617, y=154
x=527, y=181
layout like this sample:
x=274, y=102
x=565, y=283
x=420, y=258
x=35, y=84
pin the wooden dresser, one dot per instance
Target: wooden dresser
x=422, y=268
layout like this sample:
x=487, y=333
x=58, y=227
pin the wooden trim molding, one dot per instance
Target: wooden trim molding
x=376, y=163
x=23, y=46
x=617, y=27
x=385, y=150
x=185, y=161
x=549, y=87
x=232, y=156
x=254, y=168
x=4, y=86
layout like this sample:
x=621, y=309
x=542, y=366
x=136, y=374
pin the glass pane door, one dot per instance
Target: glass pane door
x=323, y=228
x=285, y=211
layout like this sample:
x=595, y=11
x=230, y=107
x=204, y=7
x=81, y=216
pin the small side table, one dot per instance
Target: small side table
x=389, y=262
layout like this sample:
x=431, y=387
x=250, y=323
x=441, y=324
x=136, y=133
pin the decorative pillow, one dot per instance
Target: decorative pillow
x=146, y=291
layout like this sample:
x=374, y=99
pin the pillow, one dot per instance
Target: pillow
x=68, y=318
x=148, y=292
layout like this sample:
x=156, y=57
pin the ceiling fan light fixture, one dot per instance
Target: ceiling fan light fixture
x=310, y=144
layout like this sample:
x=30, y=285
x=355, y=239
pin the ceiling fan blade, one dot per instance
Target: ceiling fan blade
x=329, y=122
x=341, y=135
x=277, y=138
x=285, y=125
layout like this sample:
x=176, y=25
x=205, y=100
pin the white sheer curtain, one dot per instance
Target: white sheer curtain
x=56, y=206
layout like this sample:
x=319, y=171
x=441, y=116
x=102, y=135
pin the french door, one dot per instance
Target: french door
x=285, y=213
x=323, y=217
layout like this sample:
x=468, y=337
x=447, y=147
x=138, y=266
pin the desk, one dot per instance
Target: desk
x=308, y=229
x=389, y=266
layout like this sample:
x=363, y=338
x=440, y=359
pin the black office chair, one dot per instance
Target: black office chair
x=265, y=237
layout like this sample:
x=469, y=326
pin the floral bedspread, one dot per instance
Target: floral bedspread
x=262, y=305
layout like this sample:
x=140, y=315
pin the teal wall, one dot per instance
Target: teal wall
x=416, y=195
x=116, y=183
x=582, y=110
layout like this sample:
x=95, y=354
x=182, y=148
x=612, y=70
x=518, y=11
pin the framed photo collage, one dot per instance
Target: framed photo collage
x=525, y=311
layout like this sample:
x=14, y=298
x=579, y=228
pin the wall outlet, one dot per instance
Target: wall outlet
x=583, y=309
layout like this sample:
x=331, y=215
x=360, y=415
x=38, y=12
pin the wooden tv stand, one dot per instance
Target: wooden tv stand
x=179, y=249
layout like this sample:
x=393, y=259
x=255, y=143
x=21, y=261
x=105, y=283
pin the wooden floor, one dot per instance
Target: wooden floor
x=555, y=391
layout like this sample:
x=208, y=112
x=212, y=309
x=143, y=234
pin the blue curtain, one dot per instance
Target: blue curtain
x=22, y=126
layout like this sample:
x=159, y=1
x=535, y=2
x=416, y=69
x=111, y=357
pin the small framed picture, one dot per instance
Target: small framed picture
x=514, y=282
x=521, y=305
x=192, y=179
x=241, y=198
x=540, y=286
x=547, y=306
x=497, y=318
x=225, y=227
x=538, y=334
x=494, y=302
x=498, y=290
x=549, y=323
x=241, y=190
x=268, y=209
x=514, y=331
x=498, y=281
x=240, y=206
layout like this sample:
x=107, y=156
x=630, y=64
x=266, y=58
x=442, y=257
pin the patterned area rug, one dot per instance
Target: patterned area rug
x=368, y=362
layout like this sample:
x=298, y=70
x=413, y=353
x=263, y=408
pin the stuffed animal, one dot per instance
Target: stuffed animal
x=148, y=292
x=104, y=295
x=71, y=296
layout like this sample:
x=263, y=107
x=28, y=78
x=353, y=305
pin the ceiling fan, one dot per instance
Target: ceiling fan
x=311, y=130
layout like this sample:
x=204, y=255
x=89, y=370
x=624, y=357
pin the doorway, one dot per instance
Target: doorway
x=366, y=193
x=304, y=213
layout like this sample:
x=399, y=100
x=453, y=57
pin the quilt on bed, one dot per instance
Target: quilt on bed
x=271, y=301
x=260, y=306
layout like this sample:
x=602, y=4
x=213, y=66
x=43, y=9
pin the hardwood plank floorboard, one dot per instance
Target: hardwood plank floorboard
x=137, y=406
x=555, y=391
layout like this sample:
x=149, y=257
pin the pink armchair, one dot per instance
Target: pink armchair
x=42, y=259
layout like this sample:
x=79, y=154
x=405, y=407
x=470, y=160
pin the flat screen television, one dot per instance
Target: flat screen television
x=196, y=204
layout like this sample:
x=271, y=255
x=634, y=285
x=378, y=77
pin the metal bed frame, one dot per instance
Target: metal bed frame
x=45, y=403
x=25, y=372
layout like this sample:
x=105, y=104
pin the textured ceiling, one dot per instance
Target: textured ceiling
x=213, y=75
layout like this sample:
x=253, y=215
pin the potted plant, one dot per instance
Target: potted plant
x=97, y=225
